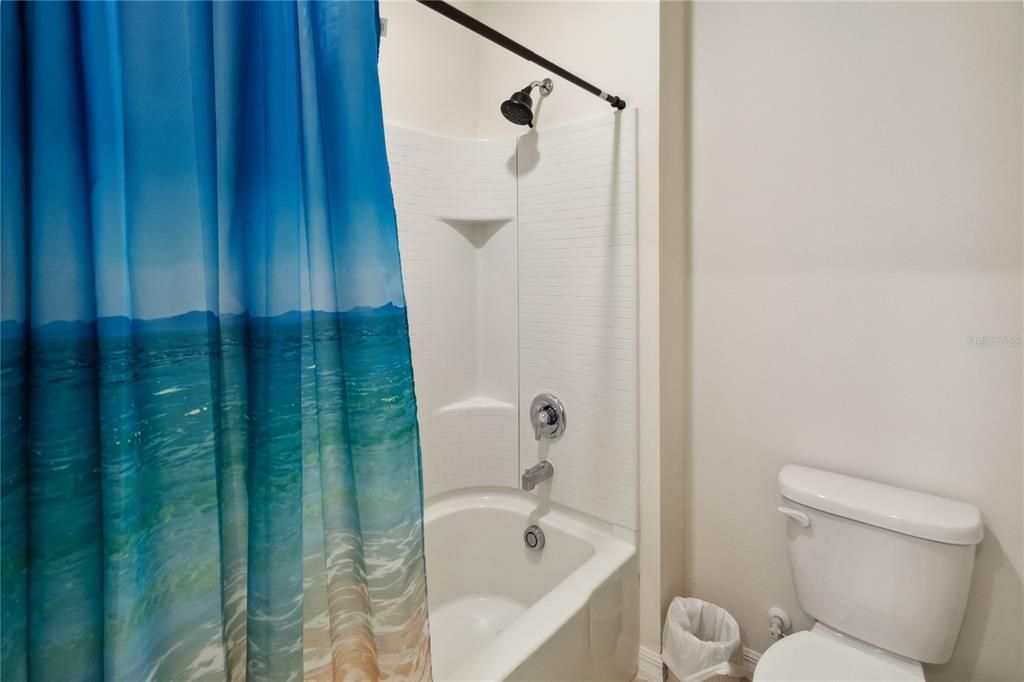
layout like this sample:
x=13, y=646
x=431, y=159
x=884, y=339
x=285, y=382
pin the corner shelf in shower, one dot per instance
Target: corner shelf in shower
x=477, y=402
x=477, y=230
x=473, y=313
x=477, y=219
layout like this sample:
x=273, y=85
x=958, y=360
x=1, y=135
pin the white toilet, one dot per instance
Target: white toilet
x=884, y=571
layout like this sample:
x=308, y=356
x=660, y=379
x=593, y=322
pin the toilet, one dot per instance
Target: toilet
x=884, y=571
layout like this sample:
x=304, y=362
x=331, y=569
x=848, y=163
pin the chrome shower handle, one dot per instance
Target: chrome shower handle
x=547, y=414
x=546, y=417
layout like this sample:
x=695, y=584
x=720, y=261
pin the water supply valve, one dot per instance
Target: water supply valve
x=778, y=623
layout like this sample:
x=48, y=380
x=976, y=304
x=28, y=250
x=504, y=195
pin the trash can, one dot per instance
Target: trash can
x=700, y=641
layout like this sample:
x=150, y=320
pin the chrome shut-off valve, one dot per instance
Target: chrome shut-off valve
x=547, y=414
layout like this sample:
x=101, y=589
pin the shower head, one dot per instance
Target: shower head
x=518, y=108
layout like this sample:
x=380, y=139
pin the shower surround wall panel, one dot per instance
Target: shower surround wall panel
x=519, y=262
x=578, y=308
x=455, y=201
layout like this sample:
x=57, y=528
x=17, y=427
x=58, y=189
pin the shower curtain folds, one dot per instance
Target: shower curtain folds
x=210, y=456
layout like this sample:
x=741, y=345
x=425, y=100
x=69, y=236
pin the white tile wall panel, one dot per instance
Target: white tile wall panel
x=577, y=309
x=436, y=179
x=575, y=212
x=480, y=444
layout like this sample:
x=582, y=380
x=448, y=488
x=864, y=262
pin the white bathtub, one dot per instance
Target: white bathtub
x=500, y=611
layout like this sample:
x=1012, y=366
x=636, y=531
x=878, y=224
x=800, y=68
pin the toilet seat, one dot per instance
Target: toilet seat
x=824, y=655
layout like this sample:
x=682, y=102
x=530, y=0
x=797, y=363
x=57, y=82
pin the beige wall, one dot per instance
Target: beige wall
x=429, y=78
x=856, y=216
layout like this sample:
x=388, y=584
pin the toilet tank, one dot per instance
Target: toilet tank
x=889, y=566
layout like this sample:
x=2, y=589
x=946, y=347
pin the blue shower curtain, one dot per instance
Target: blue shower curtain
x=210, y=459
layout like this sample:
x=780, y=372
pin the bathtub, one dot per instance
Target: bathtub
x=500, y=611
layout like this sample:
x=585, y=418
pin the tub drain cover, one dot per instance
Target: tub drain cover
x=534, y=538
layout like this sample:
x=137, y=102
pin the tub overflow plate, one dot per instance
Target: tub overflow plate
x=534, y=538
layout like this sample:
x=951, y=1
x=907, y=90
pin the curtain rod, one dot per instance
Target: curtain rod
x=480, y=28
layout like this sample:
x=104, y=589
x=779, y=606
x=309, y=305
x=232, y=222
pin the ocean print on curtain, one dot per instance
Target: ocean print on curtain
x=210, y=457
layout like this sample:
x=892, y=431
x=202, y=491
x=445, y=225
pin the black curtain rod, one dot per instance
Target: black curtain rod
x=480, y=28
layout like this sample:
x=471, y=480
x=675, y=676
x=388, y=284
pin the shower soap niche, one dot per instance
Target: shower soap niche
x=474, y=330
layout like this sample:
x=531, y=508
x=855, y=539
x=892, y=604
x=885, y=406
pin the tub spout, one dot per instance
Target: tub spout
x=536, y=474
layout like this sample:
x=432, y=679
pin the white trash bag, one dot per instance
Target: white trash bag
x=700, y=640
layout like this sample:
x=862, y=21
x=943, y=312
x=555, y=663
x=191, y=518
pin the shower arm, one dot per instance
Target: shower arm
x=480, y=28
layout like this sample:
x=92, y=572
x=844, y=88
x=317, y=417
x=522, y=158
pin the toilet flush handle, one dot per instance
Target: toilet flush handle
x=801, y=519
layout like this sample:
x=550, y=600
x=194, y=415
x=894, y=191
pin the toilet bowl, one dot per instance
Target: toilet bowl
x=821, y=654
x=884, y=571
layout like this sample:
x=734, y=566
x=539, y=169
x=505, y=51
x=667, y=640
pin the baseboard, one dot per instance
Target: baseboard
x=650, y=668
x=750, y=658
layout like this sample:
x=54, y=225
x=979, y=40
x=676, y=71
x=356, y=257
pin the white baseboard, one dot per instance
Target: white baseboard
x=750, y=658
x=650, y=668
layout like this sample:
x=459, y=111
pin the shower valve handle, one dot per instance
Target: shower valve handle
x=547, y=414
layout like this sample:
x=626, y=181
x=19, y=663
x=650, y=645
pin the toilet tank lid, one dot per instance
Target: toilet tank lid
x=920, y=515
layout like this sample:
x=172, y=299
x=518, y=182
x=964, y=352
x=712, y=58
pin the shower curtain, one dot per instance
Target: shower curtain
x=210, y=459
